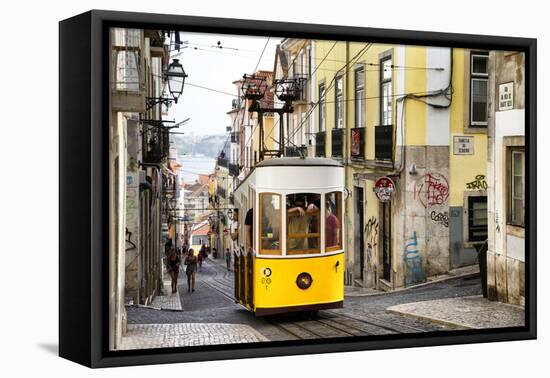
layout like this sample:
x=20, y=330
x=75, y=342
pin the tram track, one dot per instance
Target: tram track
x=375, y=321
x=327, y=324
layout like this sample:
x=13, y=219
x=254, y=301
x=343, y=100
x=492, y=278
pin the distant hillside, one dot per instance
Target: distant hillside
x=207, y=145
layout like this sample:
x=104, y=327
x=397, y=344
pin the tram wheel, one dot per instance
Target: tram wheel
x=312, y=314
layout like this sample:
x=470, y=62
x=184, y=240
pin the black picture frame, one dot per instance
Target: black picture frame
x=83, y=235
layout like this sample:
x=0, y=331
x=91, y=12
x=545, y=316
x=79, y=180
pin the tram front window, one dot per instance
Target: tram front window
x=303, y=223
x=270, y=224
x=333, y=221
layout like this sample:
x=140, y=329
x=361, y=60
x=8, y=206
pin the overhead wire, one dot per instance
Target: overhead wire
x=270, y=88
x=331, y=84
x=311, y=74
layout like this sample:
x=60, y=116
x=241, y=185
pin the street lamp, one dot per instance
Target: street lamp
x=176, y=79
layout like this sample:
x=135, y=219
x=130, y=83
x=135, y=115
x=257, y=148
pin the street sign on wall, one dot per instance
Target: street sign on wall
x=506, y=96
x=463, y=145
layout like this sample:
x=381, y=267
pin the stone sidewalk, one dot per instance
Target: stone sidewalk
x=473, y=312
x=145, y=336
x=467, y=271
x=170, y=301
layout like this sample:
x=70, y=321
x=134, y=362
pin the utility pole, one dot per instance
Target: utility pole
x=287, y=90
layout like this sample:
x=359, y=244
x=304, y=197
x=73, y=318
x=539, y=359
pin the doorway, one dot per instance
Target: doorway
x=386, y=241
x=358, y=231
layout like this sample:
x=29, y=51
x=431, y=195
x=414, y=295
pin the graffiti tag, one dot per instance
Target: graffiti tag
x=371, y=232
x=129, y=241
x=414, y=268
x=432, y=189
x=478, y=184
x=442, y=218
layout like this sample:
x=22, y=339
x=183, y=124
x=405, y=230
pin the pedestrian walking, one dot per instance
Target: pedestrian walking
x=202, y=254
x=173, y=263
x=228, y=258
x=191, y=263
x=167, y=247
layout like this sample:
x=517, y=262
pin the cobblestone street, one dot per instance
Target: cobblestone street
x=210, y=315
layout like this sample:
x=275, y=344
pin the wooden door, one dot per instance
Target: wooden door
x=386, y=241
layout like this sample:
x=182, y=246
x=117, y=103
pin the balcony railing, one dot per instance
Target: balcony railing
x=222, y=162
x=235, y=137
x=337, y=142
x=296, y=151
x=383, y=142
x=358, y=143
x=127, y=73
x=320, y=144
x=233, y=169
x=301, y=87
x=156, y=145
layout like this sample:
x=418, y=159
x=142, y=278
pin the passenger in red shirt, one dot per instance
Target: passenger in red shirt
x=332, y=227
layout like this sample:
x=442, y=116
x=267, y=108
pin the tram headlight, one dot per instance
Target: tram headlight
x=304, y=280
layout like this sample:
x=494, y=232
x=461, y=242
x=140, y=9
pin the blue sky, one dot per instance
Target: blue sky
x=216, y=68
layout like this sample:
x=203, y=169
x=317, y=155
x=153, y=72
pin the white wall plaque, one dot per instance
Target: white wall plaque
x=463, y=145
x=506, y=96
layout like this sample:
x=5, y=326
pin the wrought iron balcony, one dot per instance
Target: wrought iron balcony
x=337, y=142
x=296, y=151
x=235, y=137
x=222, y=162
x=233, y=169
x=383, y=142
x=358, y=143
x=320, y=144
x=235, y=104
x=156, y=145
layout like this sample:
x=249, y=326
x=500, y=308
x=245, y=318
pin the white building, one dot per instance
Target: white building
x=506, y=191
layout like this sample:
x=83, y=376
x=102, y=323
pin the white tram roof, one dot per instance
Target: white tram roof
x=295, y=174
x=299, y=162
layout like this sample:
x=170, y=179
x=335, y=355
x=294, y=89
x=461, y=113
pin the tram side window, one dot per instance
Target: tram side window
x=303, y=223
x=333, y=221
x=270, y=224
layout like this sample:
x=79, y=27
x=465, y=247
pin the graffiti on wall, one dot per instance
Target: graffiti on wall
x=479, y=183
x=431, y=189
x=497, y=222
x=129, y=243
x=441, y=218
x=414, y=267
x=371, y=233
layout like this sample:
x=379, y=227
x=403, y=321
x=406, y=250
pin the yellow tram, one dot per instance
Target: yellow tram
x=290, y=252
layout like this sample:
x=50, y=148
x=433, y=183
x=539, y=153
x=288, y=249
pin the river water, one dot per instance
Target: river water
x=193, y=166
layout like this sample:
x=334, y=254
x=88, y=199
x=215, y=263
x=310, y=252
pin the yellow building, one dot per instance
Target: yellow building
x=414, y=120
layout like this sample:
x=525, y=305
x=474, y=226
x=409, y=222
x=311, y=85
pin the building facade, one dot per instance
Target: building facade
x=138, y=150
x=506, y=183
x=405, y=114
